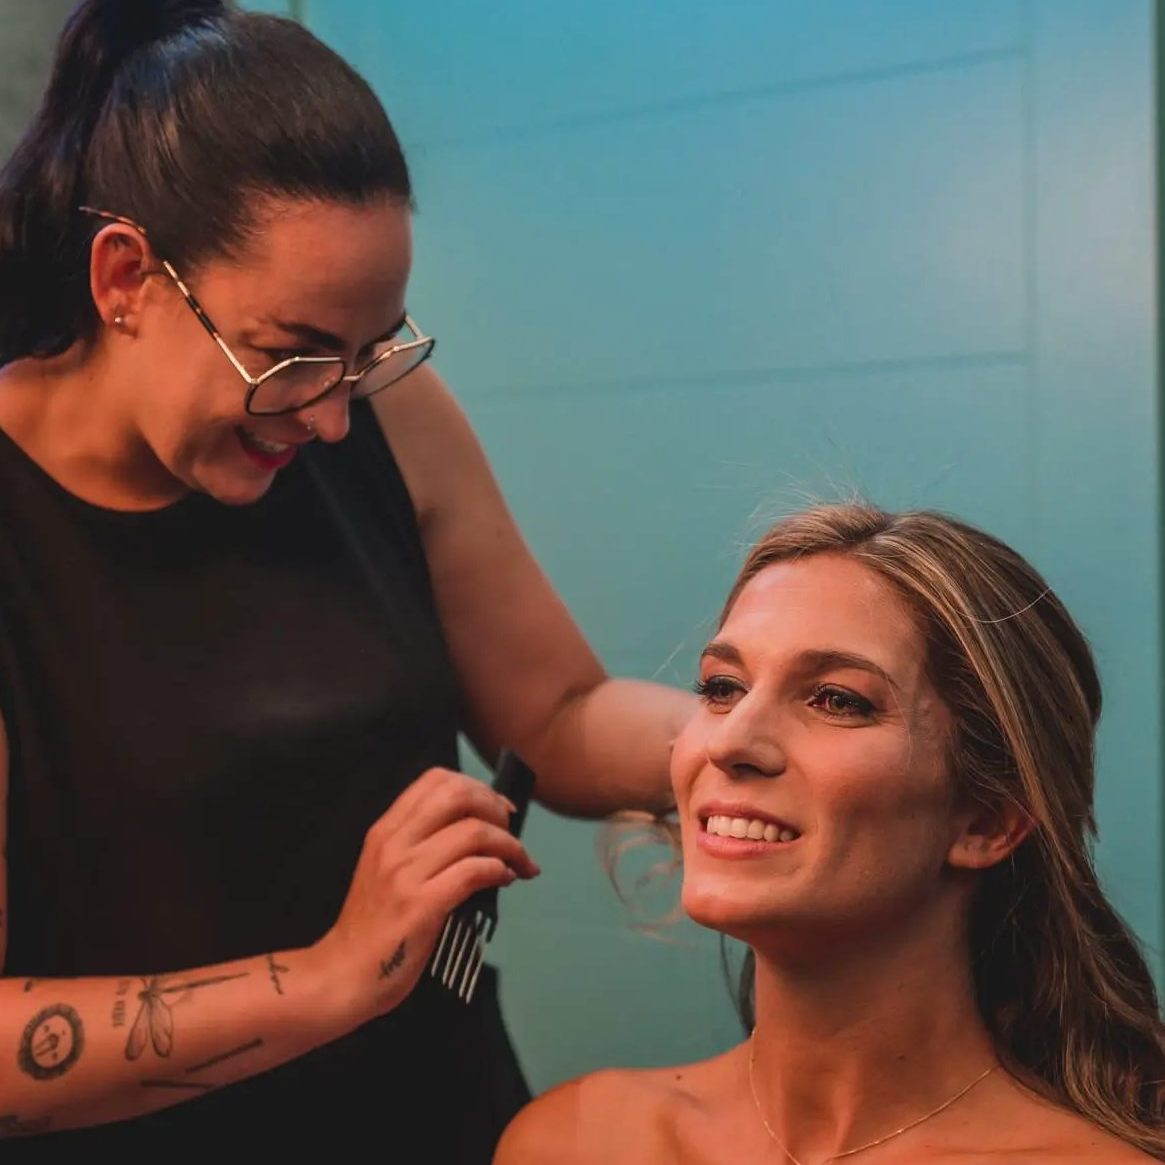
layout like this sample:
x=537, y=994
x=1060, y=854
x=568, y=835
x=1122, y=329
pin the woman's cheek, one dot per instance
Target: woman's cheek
x=688, y=755
x=870, y=774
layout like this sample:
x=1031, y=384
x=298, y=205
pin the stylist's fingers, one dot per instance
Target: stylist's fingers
x=438, y=798
x=444, y=838
x=469, y=837
x=464, y=878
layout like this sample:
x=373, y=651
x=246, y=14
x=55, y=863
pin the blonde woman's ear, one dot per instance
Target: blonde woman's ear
x=988, y=835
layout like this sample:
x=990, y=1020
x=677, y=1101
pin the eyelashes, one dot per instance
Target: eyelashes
x=716, y=689
x=278, y=355
x=839, y=703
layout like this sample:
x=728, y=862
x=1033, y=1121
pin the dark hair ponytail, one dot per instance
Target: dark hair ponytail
x=172, y=113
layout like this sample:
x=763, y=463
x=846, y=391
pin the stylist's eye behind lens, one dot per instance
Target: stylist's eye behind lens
x=304, y=380
x=392, y=360
x=300, y=382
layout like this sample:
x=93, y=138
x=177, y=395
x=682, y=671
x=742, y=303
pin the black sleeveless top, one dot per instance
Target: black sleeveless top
x=207, y=706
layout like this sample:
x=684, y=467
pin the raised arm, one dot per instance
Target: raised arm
x=599, y=744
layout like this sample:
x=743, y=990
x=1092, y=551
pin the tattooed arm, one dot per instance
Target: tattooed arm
x=94, y=1050
x=85, y=1051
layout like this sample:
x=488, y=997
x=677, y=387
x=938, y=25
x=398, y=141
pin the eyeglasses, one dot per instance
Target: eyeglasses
x=301, y=381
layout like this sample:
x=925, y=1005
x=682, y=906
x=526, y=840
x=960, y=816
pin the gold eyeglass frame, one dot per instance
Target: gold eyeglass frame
x=254, y=383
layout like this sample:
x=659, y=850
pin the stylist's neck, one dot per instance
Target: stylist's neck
x=71, y=414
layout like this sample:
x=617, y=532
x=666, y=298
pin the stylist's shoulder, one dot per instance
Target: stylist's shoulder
x=585, y=1121
x=439, y=454
x=421, y=414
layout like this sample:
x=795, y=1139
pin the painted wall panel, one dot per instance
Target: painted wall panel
x=691, y=264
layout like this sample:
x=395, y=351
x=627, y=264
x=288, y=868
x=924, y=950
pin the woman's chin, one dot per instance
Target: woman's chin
x=234, y=489
x=238, y=497
x=739, y=915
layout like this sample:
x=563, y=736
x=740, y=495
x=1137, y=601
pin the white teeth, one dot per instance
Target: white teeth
x=748, y=828
x=266, y=446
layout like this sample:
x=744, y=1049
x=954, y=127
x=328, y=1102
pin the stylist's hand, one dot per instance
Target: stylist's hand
x=445, y=837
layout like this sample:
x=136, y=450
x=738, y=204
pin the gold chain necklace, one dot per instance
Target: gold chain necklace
x=869, y=1144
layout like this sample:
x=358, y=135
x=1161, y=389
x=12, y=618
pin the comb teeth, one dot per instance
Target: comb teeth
x=460, y=952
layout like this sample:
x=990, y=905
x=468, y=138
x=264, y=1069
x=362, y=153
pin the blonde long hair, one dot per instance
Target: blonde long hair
x=1061, y=982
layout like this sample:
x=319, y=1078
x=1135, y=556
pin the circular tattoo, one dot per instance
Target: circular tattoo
x=52, y=1042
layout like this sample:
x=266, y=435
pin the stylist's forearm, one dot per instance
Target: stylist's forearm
x=87, y=1051
x=610, y=749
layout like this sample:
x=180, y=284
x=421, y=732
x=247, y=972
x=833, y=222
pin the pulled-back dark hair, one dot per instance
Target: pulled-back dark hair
x=181, y=115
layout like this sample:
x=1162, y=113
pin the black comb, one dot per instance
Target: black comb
x=460, y=951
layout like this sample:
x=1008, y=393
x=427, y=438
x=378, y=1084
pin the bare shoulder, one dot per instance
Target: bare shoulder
x=550, y=1127
x=1053, y=1133
x=431, y=438
x=1096, y=1147
x=1126, y=1155
x=605, y=1117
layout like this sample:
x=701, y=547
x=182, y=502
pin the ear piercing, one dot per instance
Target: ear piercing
x=310, y=423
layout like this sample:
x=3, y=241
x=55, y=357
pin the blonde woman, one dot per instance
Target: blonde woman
x=888, y=795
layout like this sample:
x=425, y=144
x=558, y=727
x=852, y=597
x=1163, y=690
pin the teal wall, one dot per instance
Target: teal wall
x=26, y=50
x=693, y=263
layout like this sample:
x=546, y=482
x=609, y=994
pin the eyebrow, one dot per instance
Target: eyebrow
x=722, y=651
x=809, y=662
x=318, y=338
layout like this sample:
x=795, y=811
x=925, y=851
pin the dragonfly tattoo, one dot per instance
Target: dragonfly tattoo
x=154, y=1024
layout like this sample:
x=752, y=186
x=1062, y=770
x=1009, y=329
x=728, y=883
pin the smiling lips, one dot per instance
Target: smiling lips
x=266, y=454
x=747, y=829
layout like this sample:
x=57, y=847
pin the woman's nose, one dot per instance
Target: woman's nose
x=328, y=418
x=744, y=742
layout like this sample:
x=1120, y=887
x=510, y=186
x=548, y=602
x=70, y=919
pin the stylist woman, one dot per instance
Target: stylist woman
x=244, y=616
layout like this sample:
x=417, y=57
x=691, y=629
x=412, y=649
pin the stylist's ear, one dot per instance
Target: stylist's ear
x=119, y=263
x=988, y=835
